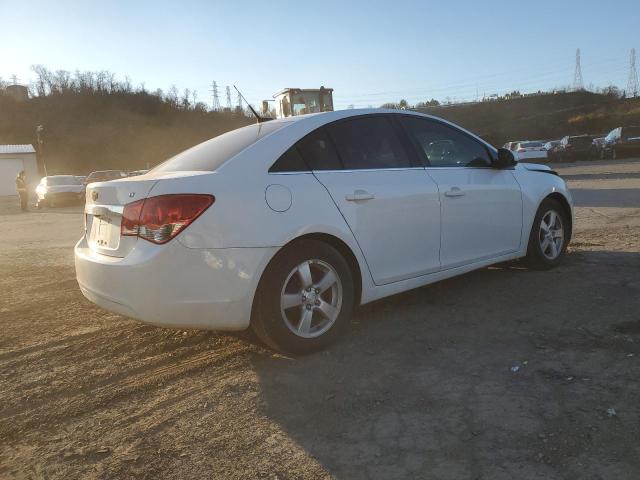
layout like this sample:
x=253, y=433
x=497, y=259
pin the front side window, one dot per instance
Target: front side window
x=368, y=143
x=443, y=146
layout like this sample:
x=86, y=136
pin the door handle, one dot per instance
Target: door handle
x=359, y=195
x=454, y=192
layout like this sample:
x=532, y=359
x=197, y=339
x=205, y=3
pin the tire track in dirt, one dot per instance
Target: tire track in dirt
x=95, y=395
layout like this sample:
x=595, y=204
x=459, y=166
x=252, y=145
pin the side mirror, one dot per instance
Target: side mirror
x=505, y=159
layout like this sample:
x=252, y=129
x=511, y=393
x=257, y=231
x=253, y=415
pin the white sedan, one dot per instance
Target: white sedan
x=59, y=189
x=531, y=151
x=287, y=225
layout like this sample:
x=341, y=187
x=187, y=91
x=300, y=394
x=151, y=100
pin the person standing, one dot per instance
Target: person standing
x=21, y=186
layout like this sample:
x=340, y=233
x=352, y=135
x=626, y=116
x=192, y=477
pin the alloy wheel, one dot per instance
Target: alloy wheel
x=311, y=298
x=551, y=235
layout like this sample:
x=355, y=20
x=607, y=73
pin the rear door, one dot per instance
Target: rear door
x=481, y=205
x=391, y=205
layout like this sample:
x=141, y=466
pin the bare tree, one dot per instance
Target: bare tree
x=172, y=96
x=185, y=99
x=42, y=80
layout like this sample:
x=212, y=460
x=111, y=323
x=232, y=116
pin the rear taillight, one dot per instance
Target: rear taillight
x=522, y=150
x=159, y=219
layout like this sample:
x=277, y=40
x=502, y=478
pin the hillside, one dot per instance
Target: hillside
x=544, y=116
x=122, y=130
x=91, y=130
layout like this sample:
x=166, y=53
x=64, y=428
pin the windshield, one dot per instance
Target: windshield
x=210, y=155
x=631, y=132
x=109, y=175
x=530, y=145
x=62, y=180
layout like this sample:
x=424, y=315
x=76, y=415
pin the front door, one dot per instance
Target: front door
x=481, y=206
x=391, y=206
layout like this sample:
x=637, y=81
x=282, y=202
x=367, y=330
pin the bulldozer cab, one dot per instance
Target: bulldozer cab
x=292, y=102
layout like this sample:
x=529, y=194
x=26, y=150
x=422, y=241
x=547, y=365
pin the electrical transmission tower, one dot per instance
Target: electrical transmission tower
x=632, y=86
x=239, y=107
x=228, y=97
x=578, y=84
x=215, y=104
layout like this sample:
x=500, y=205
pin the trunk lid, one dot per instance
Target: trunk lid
x=105, y=203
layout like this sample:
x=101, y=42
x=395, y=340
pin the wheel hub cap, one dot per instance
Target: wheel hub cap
x=551, y=235
x=311, y=298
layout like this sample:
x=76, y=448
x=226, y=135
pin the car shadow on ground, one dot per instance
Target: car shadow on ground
x=500, y=373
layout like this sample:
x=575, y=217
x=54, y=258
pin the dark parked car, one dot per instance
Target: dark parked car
x=621, y=142
x=576, y=147
x=104, y=176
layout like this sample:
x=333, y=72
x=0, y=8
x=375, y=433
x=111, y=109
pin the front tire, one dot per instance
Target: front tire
x=305, y=298
x=549, y=236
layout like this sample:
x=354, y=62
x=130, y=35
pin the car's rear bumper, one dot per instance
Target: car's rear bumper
x=175, y=286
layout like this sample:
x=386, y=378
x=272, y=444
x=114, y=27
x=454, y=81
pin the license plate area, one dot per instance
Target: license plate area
x=104, y=231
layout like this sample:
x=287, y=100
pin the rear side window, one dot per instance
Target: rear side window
x=368, y=143
x=210, y=155
x=318, y=152
x=290, y=161
x=444, y=146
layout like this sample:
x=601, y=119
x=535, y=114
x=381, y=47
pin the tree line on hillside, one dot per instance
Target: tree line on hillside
x=403, y=104
x=104, y=82
x=94, y=121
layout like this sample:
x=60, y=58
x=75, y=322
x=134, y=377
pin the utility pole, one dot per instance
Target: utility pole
x=239, y=107
x=215, y=104
x=632, y=85
x=228, y=98
x=40, y=140
x=14, y=79
x=578, y=84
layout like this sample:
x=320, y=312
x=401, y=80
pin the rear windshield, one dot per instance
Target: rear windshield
x=530, y=144
x=210, y=155
x=62, y=181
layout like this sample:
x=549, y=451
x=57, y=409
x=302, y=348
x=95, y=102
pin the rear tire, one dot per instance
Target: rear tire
x=305, y=298
x=549, y=236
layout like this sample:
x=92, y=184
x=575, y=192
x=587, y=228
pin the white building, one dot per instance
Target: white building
x=14, y=158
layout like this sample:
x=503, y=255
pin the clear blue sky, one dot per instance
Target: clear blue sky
x=369, y=52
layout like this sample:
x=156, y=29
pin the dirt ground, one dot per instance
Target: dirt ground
x=422, y=387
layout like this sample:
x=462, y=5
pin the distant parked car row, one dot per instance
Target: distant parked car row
x=620, y=142
x=55, y=190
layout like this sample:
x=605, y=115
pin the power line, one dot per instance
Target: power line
x=578, y=84
x=632, y=84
